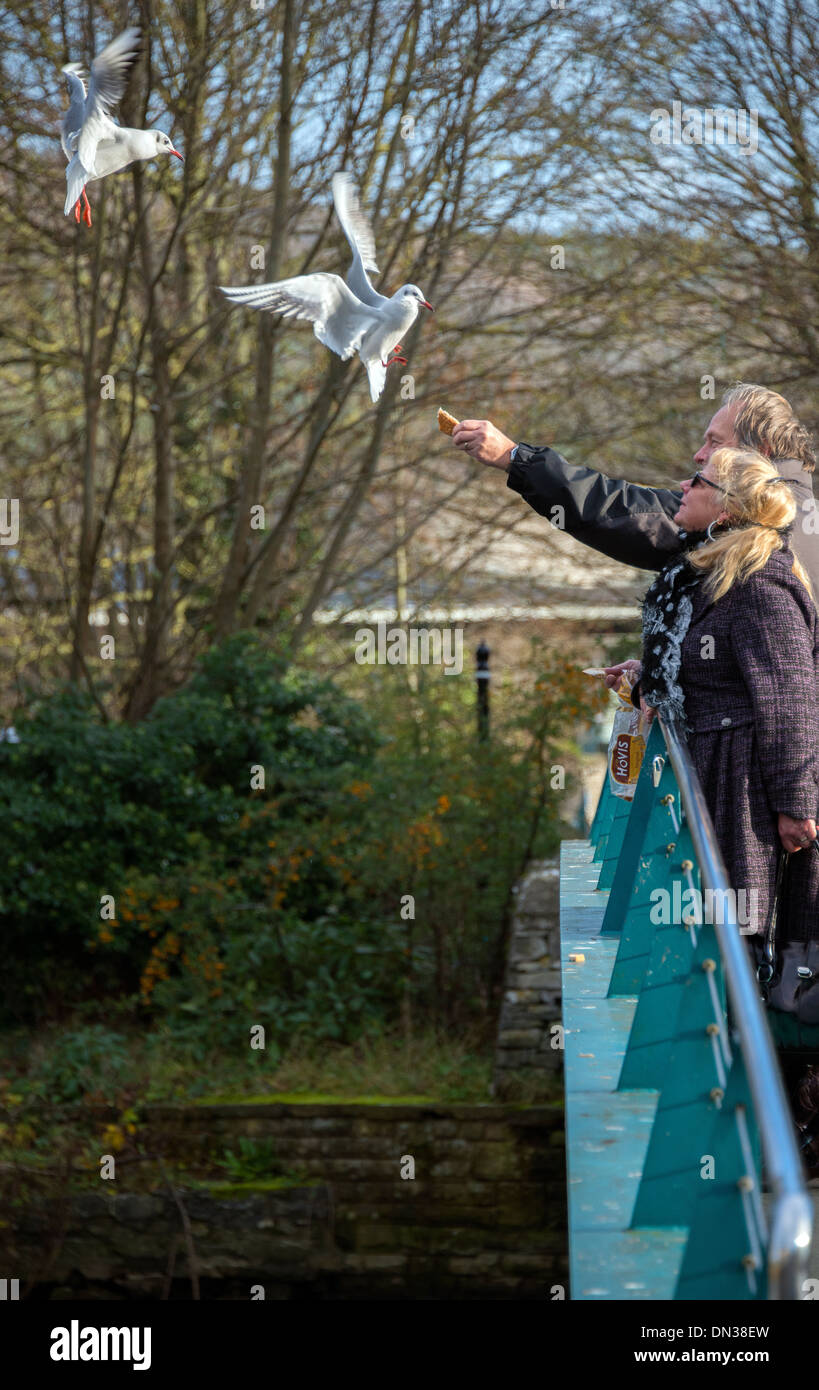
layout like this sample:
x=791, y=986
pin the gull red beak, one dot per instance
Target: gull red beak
x=178, y=155
x=427, y=305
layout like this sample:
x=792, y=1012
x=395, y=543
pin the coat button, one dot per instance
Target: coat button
x=725, y=723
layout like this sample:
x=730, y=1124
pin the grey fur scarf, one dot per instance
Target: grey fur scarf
x=667, y=609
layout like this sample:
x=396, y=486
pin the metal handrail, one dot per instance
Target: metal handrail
x=792, y=1223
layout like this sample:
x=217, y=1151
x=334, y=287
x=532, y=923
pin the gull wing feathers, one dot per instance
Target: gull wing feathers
x=359, y=234
x=109, y=75
x=73, y=118
x=339, y=319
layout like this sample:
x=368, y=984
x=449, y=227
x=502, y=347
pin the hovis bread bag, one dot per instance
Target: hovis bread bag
x=627, y=743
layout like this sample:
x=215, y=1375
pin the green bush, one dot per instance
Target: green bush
x=84, y=804
x=370, y=880
x=90, y=1062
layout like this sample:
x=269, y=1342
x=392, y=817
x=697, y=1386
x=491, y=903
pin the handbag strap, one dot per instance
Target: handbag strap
x=769, y=950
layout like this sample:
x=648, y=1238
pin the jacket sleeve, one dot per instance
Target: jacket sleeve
x=624, y=520
x=773, y=639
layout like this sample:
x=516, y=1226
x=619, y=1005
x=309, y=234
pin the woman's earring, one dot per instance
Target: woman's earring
x=710, y=530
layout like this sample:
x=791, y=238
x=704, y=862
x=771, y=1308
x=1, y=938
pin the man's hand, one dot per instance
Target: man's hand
x=796, y=834
x=483, y=441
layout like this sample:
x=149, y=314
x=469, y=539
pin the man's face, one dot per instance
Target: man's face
x=719, y=432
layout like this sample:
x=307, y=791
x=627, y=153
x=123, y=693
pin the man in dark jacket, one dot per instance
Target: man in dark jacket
x=633, y=523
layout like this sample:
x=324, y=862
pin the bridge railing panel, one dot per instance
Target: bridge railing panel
x=721, y=1108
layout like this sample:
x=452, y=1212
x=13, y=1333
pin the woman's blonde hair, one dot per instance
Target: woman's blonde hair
x=757, y=502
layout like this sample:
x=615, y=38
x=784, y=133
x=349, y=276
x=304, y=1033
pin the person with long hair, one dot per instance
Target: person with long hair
x=731, y=655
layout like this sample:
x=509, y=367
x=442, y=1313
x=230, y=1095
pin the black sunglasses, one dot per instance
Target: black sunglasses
x=699, y=478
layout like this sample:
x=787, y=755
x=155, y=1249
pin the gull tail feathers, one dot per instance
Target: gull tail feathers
x=76, y=179
x=377, y=376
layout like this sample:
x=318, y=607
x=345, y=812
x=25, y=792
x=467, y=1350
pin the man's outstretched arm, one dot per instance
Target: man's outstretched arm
x=623, y=520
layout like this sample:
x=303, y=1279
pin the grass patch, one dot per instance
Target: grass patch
x=314, y=1098
x=377, y=1068
x=230, y=1189
x=83, y=1064
x=63, y=1071
x=426, y=1067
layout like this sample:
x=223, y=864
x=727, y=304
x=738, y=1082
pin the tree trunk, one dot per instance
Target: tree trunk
x=250, y=484
x=151, y=677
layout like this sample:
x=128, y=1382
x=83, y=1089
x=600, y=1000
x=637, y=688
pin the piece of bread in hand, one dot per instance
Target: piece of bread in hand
x=446, y=422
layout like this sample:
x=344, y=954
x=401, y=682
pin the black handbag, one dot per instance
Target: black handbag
x=789, y=978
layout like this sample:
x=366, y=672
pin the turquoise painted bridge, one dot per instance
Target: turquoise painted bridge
x=684, y=1176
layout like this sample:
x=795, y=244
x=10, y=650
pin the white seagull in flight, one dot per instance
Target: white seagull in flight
x=347, y=317
x=92, y=142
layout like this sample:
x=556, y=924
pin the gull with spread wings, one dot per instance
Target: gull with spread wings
x=92, y=142
x=347, y=316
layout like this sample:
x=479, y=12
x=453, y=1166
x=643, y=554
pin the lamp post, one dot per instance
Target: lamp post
x=482, y=677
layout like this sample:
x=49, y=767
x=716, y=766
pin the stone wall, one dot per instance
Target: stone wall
x=483, y=1217
x=532, y=991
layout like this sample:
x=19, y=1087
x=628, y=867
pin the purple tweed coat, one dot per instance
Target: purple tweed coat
x=750, y=676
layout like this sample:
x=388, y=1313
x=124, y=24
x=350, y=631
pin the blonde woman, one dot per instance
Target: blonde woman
x=731, y=652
